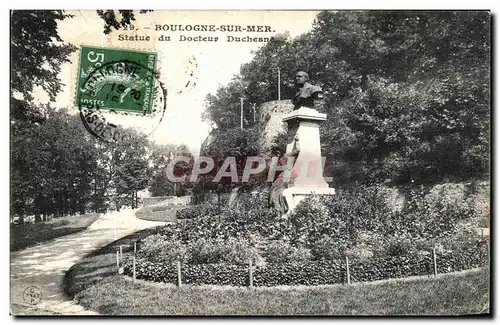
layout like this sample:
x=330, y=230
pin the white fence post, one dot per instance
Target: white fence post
x=179, y=278
x=133, y=262
x=250, y=272
x=347, y=270
x=118, y=261
x=435, y=263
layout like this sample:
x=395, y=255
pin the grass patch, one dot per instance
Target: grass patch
x=99, y=264
x=22, y=236
x=96, y=286
x=159, y=212
x=458, y=294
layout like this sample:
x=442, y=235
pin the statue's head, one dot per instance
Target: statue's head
x=301, y=77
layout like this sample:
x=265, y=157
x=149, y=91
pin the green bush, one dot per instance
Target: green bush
x=199, y=210
x=313, y=272
x=357, y=223
x=329, y=248
x=332, y=223
x=281, y=251
x=205, y=251
x=250, y=216
x=307, y=273
x=161, y=248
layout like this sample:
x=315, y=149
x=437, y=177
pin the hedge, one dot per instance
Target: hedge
x=200, y=210
x=312, y=272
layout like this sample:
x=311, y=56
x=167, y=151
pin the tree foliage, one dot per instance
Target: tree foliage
x=408, y=93
x=37, y=54
x=111, y=21
x=57, y=167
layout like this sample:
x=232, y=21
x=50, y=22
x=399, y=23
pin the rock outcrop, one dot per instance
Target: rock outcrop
x=271, y=124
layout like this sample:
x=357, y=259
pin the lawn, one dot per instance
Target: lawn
x=446, y=295
x=96, y=285
x=22, y=236
x=100, y=264
x=159, y=212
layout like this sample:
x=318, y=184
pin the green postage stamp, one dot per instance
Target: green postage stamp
x=116, y=79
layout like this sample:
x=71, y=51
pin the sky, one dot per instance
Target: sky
x=206, y=65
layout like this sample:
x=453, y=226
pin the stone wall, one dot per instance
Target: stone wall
x=271, y=124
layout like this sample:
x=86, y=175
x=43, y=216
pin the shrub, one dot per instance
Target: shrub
x=433, y=215
x=399, y=244
x=204, y=251
x=357, y=223
x=232, y=251
x=199, y=210
x=252, y=215
x=161, y=248
x=329, y=248
x=239, y=251
x=313, y=272
x=248, y=217
x=339, y=217
x=281, y=251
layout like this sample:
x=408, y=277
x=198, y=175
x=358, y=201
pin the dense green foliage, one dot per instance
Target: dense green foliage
x=408, y=93
x=194, y=211
x=311, y=272
x=57, y=167
x=381, y=238
x=37, y=54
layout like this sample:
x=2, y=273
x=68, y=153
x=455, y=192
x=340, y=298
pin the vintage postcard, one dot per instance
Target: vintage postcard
x=250, y=162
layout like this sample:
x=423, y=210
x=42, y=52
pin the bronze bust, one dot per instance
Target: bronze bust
x=307, y=95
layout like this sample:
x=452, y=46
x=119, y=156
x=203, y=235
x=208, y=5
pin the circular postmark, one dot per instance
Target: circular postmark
x=32, y=295
x=121, y=94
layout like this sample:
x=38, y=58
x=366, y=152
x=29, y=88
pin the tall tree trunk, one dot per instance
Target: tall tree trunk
x=82, y=206
x=95, y=194
x=218, y=201
x=117, y=203
x=136, y=200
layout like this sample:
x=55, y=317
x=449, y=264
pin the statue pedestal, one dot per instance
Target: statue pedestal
x=307, y=173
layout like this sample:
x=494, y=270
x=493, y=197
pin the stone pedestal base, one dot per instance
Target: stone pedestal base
x=294, y=195
x=308, y=168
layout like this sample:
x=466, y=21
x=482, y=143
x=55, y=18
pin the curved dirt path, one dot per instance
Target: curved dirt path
x=43, y=266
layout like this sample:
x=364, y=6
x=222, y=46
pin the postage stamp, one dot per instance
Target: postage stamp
x=117, y=82
x=116, y=79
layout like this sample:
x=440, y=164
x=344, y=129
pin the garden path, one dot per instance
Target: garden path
x=43, y=266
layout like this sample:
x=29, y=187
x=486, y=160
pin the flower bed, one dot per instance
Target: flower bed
x=311, y=272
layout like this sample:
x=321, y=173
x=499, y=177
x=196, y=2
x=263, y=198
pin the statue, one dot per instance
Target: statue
x=276, y=198
x=307, y=95
x=304, y=120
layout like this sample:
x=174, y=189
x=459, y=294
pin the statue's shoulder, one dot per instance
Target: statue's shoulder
x=309, y=89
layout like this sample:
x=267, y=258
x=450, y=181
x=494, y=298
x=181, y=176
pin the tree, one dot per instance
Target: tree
x=110, y=21
x=57, y=167
x=37, y=54
x=399, y=109
x=161, y=158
